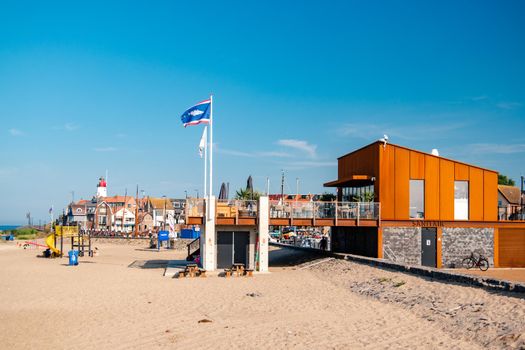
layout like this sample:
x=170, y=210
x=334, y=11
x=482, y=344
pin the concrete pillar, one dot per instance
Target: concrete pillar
x=264, y=221
x=208, y=238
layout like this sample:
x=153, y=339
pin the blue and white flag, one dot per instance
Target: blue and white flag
x=198, y=114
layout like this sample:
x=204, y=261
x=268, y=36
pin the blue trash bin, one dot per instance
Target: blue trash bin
x=73, y=257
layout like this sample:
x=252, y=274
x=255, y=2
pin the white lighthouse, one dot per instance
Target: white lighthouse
x=102, y=190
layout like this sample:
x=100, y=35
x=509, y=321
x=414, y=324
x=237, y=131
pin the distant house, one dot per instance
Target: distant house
x=77, y=214
x=123, y=220
x=178, y=207
x=145, y=222
x=509, y=201
x=107, y=216
x=161, y=209
x=103, y=216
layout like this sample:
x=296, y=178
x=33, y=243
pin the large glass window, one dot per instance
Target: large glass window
x=358, y=194
x=417, y=199
x=460, y=200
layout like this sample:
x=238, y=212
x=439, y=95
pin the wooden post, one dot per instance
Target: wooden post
x=439, y=247
x=380, y=242
x=336, y=213
x=496, y=247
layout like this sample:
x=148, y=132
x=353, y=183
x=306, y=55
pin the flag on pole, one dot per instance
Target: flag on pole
x=198, y=114
x=202, y=144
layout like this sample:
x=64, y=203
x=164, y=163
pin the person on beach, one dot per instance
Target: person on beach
x=322, y=244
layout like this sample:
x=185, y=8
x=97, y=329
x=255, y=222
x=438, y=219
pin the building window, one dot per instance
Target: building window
x=358, y=194
x=417, y=199
x=460, y=200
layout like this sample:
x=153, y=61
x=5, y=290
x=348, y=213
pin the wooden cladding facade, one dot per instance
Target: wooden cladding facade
x=398, y=165
x=394, y=166
x=364, y=161
x=511, y=247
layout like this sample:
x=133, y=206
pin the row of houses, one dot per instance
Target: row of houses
x=122, y=213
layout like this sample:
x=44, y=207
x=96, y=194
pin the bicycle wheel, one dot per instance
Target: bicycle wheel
x=468, y=263
x=483, y=264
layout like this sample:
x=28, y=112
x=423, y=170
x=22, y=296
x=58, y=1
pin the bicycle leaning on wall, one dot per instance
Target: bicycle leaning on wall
x=481, y=262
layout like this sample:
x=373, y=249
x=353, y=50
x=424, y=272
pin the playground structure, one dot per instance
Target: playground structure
x=79, y=239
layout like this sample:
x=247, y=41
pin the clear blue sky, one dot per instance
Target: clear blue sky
x=99, y=85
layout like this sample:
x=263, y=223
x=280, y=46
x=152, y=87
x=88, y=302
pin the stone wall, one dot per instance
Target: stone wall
x=458, y=242
x=402, y=245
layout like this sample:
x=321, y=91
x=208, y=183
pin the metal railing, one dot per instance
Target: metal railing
x=195, y=207
x=324, y=210
x=511, y=213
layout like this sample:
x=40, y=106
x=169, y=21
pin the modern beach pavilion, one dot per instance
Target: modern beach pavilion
x=392, y=202
x=433, y=211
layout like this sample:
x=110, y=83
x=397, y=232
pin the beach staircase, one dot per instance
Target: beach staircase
x=193, y=249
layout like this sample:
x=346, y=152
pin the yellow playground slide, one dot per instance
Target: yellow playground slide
x=50, y=242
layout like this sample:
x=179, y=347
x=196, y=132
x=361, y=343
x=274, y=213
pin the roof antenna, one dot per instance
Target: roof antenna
x=384, y=139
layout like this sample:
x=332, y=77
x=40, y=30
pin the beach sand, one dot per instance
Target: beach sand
x=120, y=300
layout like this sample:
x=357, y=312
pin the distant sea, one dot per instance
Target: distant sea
x=8, y=227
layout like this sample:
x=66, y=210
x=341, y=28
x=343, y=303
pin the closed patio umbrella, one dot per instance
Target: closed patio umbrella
x=249, y=186
x=223, y=193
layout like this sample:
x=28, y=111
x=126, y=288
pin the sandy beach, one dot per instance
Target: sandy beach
x=120, y=300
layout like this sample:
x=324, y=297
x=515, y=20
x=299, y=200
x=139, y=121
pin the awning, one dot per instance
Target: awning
x=354, y=180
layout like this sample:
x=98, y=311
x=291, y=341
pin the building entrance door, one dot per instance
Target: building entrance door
x=241, y=242
x=232, y=247
x=428, y=246
x=224, y=249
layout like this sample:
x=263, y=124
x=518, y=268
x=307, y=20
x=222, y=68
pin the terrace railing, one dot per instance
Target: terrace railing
x=313, y=210
x=511, y=213
x=324, y=210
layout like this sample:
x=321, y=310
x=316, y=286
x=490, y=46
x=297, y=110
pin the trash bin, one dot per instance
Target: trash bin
x=73, y=257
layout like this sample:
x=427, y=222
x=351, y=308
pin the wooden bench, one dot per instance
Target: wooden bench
x=227, y=272
x=248, y=273
x=202, y=273
x=238, y=269
x=191, y=269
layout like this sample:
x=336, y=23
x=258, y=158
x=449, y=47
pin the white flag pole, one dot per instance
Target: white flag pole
x=205, y=161
x=210, y=193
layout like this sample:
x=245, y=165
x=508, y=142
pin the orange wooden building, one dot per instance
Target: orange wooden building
x=433, y=211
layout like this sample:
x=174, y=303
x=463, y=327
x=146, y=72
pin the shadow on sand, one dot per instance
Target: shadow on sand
x=149, y=264
x=287, y=257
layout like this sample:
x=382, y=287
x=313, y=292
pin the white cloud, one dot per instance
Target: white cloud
x=299, y=145
x=479, y=98
x=70, y=127
x=508, y=105
x=404, y=132
x=494, y=148
x=301, y=165
x=8, y=171
x=16, y=132
x=104, y=149
x=66, y=127
x=232, y=152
